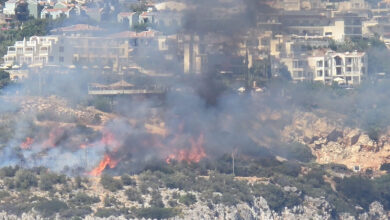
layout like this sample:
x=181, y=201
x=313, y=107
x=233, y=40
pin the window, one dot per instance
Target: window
x=61, y=49
x=278, y=47
x=338, y=71
x=51, y=58
x=338, y=60
x=61, y=59
x=319, y=73
x=297, y=73
x=326, y=73
x=265, y=41
x=348, y=69
x=349, y=60
x=298, y=64
x=326, y=64
x=319, y=63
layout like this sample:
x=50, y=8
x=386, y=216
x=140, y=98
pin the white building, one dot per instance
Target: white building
x=343, y=68
x=37, y=51
x=55, y=13
x=10, y=6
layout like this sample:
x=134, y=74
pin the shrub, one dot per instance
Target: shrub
x=385, y=166
x=288, y=168
x=188, y=199
x=49, y=207
x=106, y=212
x=156, y=213
x=25, y=179
x=127, y=180
x=82, y=199
x=109, y=201
x=8, y=171
x=47, y=180
x=110, y=183
x=76, y=212
x=4, y=194
x=156, y=200
x=10, y=183
x=276, y=198
x=134, y=195
x=359, y=189
x=103, y=104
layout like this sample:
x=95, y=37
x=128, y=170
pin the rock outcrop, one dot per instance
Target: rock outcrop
x=332, y=141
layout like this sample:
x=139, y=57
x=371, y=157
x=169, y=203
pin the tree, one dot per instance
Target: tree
x=49, y=207
x=188, y=199
x=21, y=11
x=25, y=179
x=110, y=183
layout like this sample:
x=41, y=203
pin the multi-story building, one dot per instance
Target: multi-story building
x=36, y=50
x=68, y=50
x=343, y=68
x=10, y=6
x=344, y=26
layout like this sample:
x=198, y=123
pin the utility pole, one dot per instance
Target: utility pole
x=233, y=154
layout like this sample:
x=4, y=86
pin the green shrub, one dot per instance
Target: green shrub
x=276, y=198
x=76, y=212
x=50, y=207
x=110, y=183
x=47, y=180
x=134, y=195
x=8, y=171
x=157, y=213
x=82, y=199
x=106, y=212
x=188, y=199
x=4, y=194
x=358, y=189
x=10, y=183
x=127, y=180
x=25, y=179
x=156, y=200
x=103, y=104
x=109, y=201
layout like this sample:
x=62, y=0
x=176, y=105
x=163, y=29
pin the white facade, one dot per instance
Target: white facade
x=343, y=68
x=10, y=6
x=46, y=50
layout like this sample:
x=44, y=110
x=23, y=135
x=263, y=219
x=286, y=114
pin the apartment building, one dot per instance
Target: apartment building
x=67, y=50
x=344, y=68
x=35, y=51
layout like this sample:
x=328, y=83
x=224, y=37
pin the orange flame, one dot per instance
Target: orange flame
x=54, y=135
x=193, y=155
x=107, y=161
x=27, y=143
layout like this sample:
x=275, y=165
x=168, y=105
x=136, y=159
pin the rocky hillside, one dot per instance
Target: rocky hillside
x=331, y=141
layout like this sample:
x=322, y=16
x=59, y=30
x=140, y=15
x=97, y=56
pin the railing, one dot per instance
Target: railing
x=124, y=91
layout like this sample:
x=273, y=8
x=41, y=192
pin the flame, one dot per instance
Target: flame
x=193, y=155
x=27, y=143
x=107, y=161
x=54, y=135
